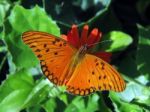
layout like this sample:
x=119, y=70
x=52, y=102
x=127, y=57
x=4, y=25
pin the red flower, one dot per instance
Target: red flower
x=95, y=35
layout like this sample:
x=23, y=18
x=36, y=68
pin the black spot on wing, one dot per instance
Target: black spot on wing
x=47, y=50
x=55, y=53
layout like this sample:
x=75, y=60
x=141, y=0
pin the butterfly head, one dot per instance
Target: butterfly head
x=83, y=49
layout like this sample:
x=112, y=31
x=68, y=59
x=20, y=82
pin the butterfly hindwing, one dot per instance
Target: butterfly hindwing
x=53, y=52
x=90, y=74
x=94, y=74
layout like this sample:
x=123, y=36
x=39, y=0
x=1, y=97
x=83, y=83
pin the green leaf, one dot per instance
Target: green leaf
x=143, y=54
x=35, y=108
x=63, y=97
x=22, y=56
x=115, y=41
x=13, y=101
x=77, y=105
x=128, y=66
x=19, y=88
x=142, y=8
x=92, y=105
x=134, y=92
x=22, y=20
x=14, y=91
x=50, y=105
x=42, y=93
x=122, y=106
x=3, y=9
x=32, y=19
x=38, y=93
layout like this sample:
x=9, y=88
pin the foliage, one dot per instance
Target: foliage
x=24, y=88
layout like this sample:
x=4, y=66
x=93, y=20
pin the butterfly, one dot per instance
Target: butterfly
x=68, y=61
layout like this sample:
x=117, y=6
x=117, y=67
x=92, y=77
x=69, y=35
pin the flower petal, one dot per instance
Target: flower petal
x=74, y=35
x=94, y=37
x=84, y=34
x=106, y=56
x=70, y=39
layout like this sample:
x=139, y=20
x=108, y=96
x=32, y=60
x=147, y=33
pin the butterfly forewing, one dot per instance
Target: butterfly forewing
x=54, y=54
x=93, y=74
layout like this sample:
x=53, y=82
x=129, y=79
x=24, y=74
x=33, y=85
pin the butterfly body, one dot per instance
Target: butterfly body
x=79, y=55
x=81, y=72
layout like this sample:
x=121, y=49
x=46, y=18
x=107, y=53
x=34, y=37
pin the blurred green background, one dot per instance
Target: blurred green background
x=23, y=87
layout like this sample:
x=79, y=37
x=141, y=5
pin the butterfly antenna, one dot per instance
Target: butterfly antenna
x=100, y=42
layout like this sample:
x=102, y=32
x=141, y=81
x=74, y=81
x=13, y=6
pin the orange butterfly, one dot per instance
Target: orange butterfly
x=68, y=61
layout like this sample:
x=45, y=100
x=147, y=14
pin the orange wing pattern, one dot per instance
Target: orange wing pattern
x=54, y=54
x=93, y=74
x=89, y=75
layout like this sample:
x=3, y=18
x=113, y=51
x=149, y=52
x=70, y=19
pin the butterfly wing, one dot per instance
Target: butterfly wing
x=54, y=54
x=93, y=74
